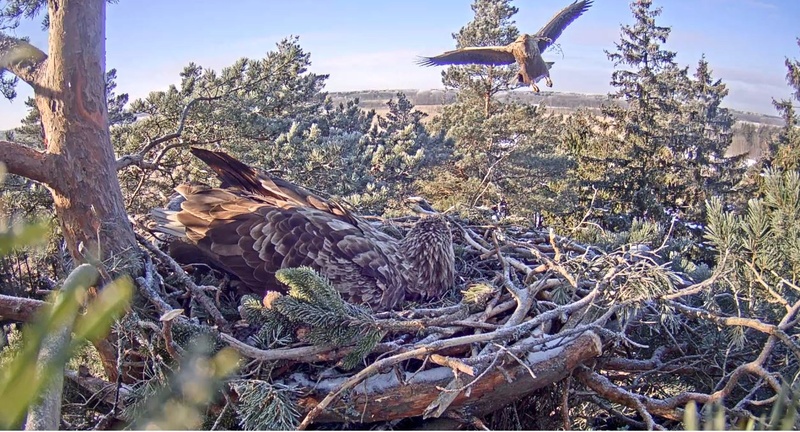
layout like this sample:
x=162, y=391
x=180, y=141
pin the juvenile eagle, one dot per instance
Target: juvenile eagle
x=255, y=223
x=526, y=50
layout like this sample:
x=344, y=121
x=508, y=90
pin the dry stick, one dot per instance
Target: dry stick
x=770, y=329
x=197, y=293
x=616, y=413
x=146, y=284
x=468, y=236
x=440, y=345
x=522, y=296
x=779, y=298
x=565, y=403
x=669, y=408
x=154, y=166
x=596, y=382
x=700, y=286
x=302, y=353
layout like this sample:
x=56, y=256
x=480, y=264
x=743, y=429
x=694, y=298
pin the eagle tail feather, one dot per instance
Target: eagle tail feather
x=167, y=222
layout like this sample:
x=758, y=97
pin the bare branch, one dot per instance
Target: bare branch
x=197, y=293
x=138, y=159
x=18, y=308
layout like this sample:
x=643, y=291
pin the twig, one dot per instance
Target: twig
x=138, y=158
x=197, y=293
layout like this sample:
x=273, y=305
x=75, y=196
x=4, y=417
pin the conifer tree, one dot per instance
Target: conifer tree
x=662, y=151
x=492, y=25
x=785, y=150
x=500, y=149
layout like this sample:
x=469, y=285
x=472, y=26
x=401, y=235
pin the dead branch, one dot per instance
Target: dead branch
x=385, y=396
x=138, y=158
x=770, y=329
x=99, y=387
x=196, y=292
x=504, y=333
x=18, y=308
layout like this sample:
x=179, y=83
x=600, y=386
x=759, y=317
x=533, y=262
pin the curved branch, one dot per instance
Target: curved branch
x=21, y=59
x=138, y=158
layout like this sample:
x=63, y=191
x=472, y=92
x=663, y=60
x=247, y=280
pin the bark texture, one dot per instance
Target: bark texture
x=70, y=95
x=384, y=397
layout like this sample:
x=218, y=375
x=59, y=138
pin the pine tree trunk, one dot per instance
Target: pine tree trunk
x=72, y=103
x=78, y=165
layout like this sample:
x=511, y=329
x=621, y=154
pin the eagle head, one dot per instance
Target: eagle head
x=428, y=251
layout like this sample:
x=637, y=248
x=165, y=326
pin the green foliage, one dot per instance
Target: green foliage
x=785, y=151
x=493, y=25
x=272, y=112
x=315, y=312
x=21, y=381
x=660, y=152
x=501, y=150
x=397, y=152
x=761, y=246
x=181, y=404
x=266, y=406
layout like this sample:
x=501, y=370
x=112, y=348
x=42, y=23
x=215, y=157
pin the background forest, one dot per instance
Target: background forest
x=708, y=242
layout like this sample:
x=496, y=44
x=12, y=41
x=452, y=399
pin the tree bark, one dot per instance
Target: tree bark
x=78, y=165
x=72, y=102
x=383, y=397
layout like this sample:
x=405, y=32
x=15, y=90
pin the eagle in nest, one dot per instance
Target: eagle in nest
x=255, y=224
x=526, y=50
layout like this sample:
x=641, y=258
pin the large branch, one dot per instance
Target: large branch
x=27, y=162
x=22, y=59
x=18, y=308
x=389, y=396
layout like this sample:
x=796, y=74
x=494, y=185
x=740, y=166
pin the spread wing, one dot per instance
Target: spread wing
x=553, y=29
x=252, y=240
x=493, y=55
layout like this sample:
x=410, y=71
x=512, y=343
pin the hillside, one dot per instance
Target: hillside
x=752, y=131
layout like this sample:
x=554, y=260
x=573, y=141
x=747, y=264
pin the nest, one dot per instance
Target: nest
x=529, y=308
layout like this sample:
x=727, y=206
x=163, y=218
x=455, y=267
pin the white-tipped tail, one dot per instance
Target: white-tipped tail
x=167, y=222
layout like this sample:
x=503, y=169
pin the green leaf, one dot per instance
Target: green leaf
x=109, y=305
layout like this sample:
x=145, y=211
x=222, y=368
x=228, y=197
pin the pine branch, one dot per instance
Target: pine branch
x=22, y=59
x=29, y=163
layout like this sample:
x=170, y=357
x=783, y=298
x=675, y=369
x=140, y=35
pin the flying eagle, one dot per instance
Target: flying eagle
x=256, y=223
x=526, y=50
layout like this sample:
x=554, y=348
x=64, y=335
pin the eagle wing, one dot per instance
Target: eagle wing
x=252, y=240
x=277, y=191
x=553, y=29
x=492, y=55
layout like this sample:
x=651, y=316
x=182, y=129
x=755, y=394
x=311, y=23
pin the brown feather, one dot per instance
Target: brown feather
x=259, y=224
x=496, y=55
x=526, y=50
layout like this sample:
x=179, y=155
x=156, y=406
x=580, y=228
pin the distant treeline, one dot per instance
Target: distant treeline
x=752, y=132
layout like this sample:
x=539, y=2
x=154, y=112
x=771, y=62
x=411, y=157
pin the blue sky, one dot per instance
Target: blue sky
x=372, y=44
